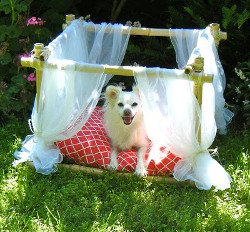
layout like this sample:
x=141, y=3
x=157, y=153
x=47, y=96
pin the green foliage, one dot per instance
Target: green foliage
x=230, y=16
x=239, y=90
x=198, y=20
x=75, y=201
x=145, y=51
x=17, y=38
x=14, y=7
x=233, y=53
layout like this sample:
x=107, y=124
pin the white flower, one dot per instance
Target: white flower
x=245, y=102
x=240, y=73
x=129, y=23
x=237, y=89
x=137, y=24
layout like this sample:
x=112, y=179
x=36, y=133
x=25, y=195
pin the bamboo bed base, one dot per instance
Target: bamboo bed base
x=98, y=172
x=194, y=72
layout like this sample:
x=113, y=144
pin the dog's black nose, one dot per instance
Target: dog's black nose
x=127, y=112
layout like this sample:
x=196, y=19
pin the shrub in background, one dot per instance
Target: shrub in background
x=17, y=94
x=239, y=89
x=18, y=34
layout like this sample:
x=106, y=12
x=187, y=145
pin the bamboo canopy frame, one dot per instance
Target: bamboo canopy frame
x=193, y=72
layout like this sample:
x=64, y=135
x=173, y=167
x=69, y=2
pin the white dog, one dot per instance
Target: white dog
x=123, y=120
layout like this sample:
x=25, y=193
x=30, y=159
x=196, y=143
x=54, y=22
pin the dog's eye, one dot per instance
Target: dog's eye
x=120, y=104
x=134, y=104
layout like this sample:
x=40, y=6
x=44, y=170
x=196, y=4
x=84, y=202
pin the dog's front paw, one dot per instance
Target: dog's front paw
x=113, y=165
x=140, y=172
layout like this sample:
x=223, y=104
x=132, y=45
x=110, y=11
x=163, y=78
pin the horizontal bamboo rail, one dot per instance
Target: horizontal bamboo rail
x=118, y=70
x=98, y=171
x=170, y=32
x=214, y=27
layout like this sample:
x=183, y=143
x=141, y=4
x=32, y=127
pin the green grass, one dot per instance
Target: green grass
x=74, y=201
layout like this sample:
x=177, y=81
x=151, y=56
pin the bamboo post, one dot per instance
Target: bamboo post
x=217, y=34
x=41, y=53
x=69, y=19
x=197, y=90
x=38, y=48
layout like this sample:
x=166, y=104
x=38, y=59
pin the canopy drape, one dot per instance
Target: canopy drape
x=172, y=116
x=188, y=45
x=67, y=97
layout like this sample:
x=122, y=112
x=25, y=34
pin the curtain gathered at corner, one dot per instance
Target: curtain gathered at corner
x=172, y=116
x=68, y=97
x=188, y=45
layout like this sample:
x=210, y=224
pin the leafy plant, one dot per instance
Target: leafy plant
x=239, y=93
x=233, y=19
x=14, y=7
x=18, y=34
x=230, y=16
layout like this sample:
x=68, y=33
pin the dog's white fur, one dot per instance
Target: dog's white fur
x=123, y=120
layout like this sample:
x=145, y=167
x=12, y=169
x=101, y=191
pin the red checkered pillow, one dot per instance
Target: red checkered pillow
x=91, y=146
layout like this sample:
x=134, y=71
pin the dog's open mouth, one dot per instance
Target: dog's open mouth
x=127, y=120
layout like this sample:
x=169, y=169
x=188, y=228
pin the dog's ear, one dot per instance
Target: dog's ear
x=136, y=90
x=112, y=92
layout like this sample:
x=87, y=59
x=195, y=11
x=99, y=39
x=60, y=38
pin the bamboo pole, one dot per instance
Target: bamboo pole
x=152, y=31
x=41, y=53
x=217, y=34
x=118, y=70
x=99, y=171
x=69, y=19
x=38, y=47
x=197, y=90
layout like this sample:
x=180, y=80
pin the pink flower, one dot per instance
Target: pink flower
x=31, y=77
x=25, y=54
x=22, y=40
x=35, y=21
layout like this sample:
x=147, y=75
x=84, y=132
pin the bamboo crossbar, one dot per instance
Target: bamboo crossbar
x=117, y=70
x=99, y=171
x=214, y=27
x=154, y=31
x=160, y=32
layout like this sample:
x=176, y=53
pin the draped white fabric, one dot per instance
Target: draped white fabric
x=172, y=115
x=67, y=97
x=190, y=44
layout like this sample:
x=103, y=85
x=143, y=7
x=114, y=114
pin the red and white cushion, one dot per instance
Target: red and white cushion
x=91, y=146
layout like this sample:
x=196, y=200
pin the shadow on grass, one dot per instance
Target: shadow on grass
x=74, y=201
x=68, y=201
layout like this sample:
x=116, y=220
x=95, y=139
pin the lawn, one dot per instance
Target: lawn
x=75, y=201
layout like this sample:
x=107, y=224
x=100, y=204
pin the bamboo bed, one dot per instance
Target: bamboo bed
x=193, y=72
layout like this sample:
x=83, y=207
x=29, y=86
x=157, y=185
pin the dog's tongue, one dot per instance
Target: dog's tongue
x=127, y=120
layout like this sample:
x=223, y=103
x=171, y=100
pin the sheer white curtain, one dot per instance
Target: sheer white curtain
x=67, y=97
x=172, y=114
x=190, y=44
